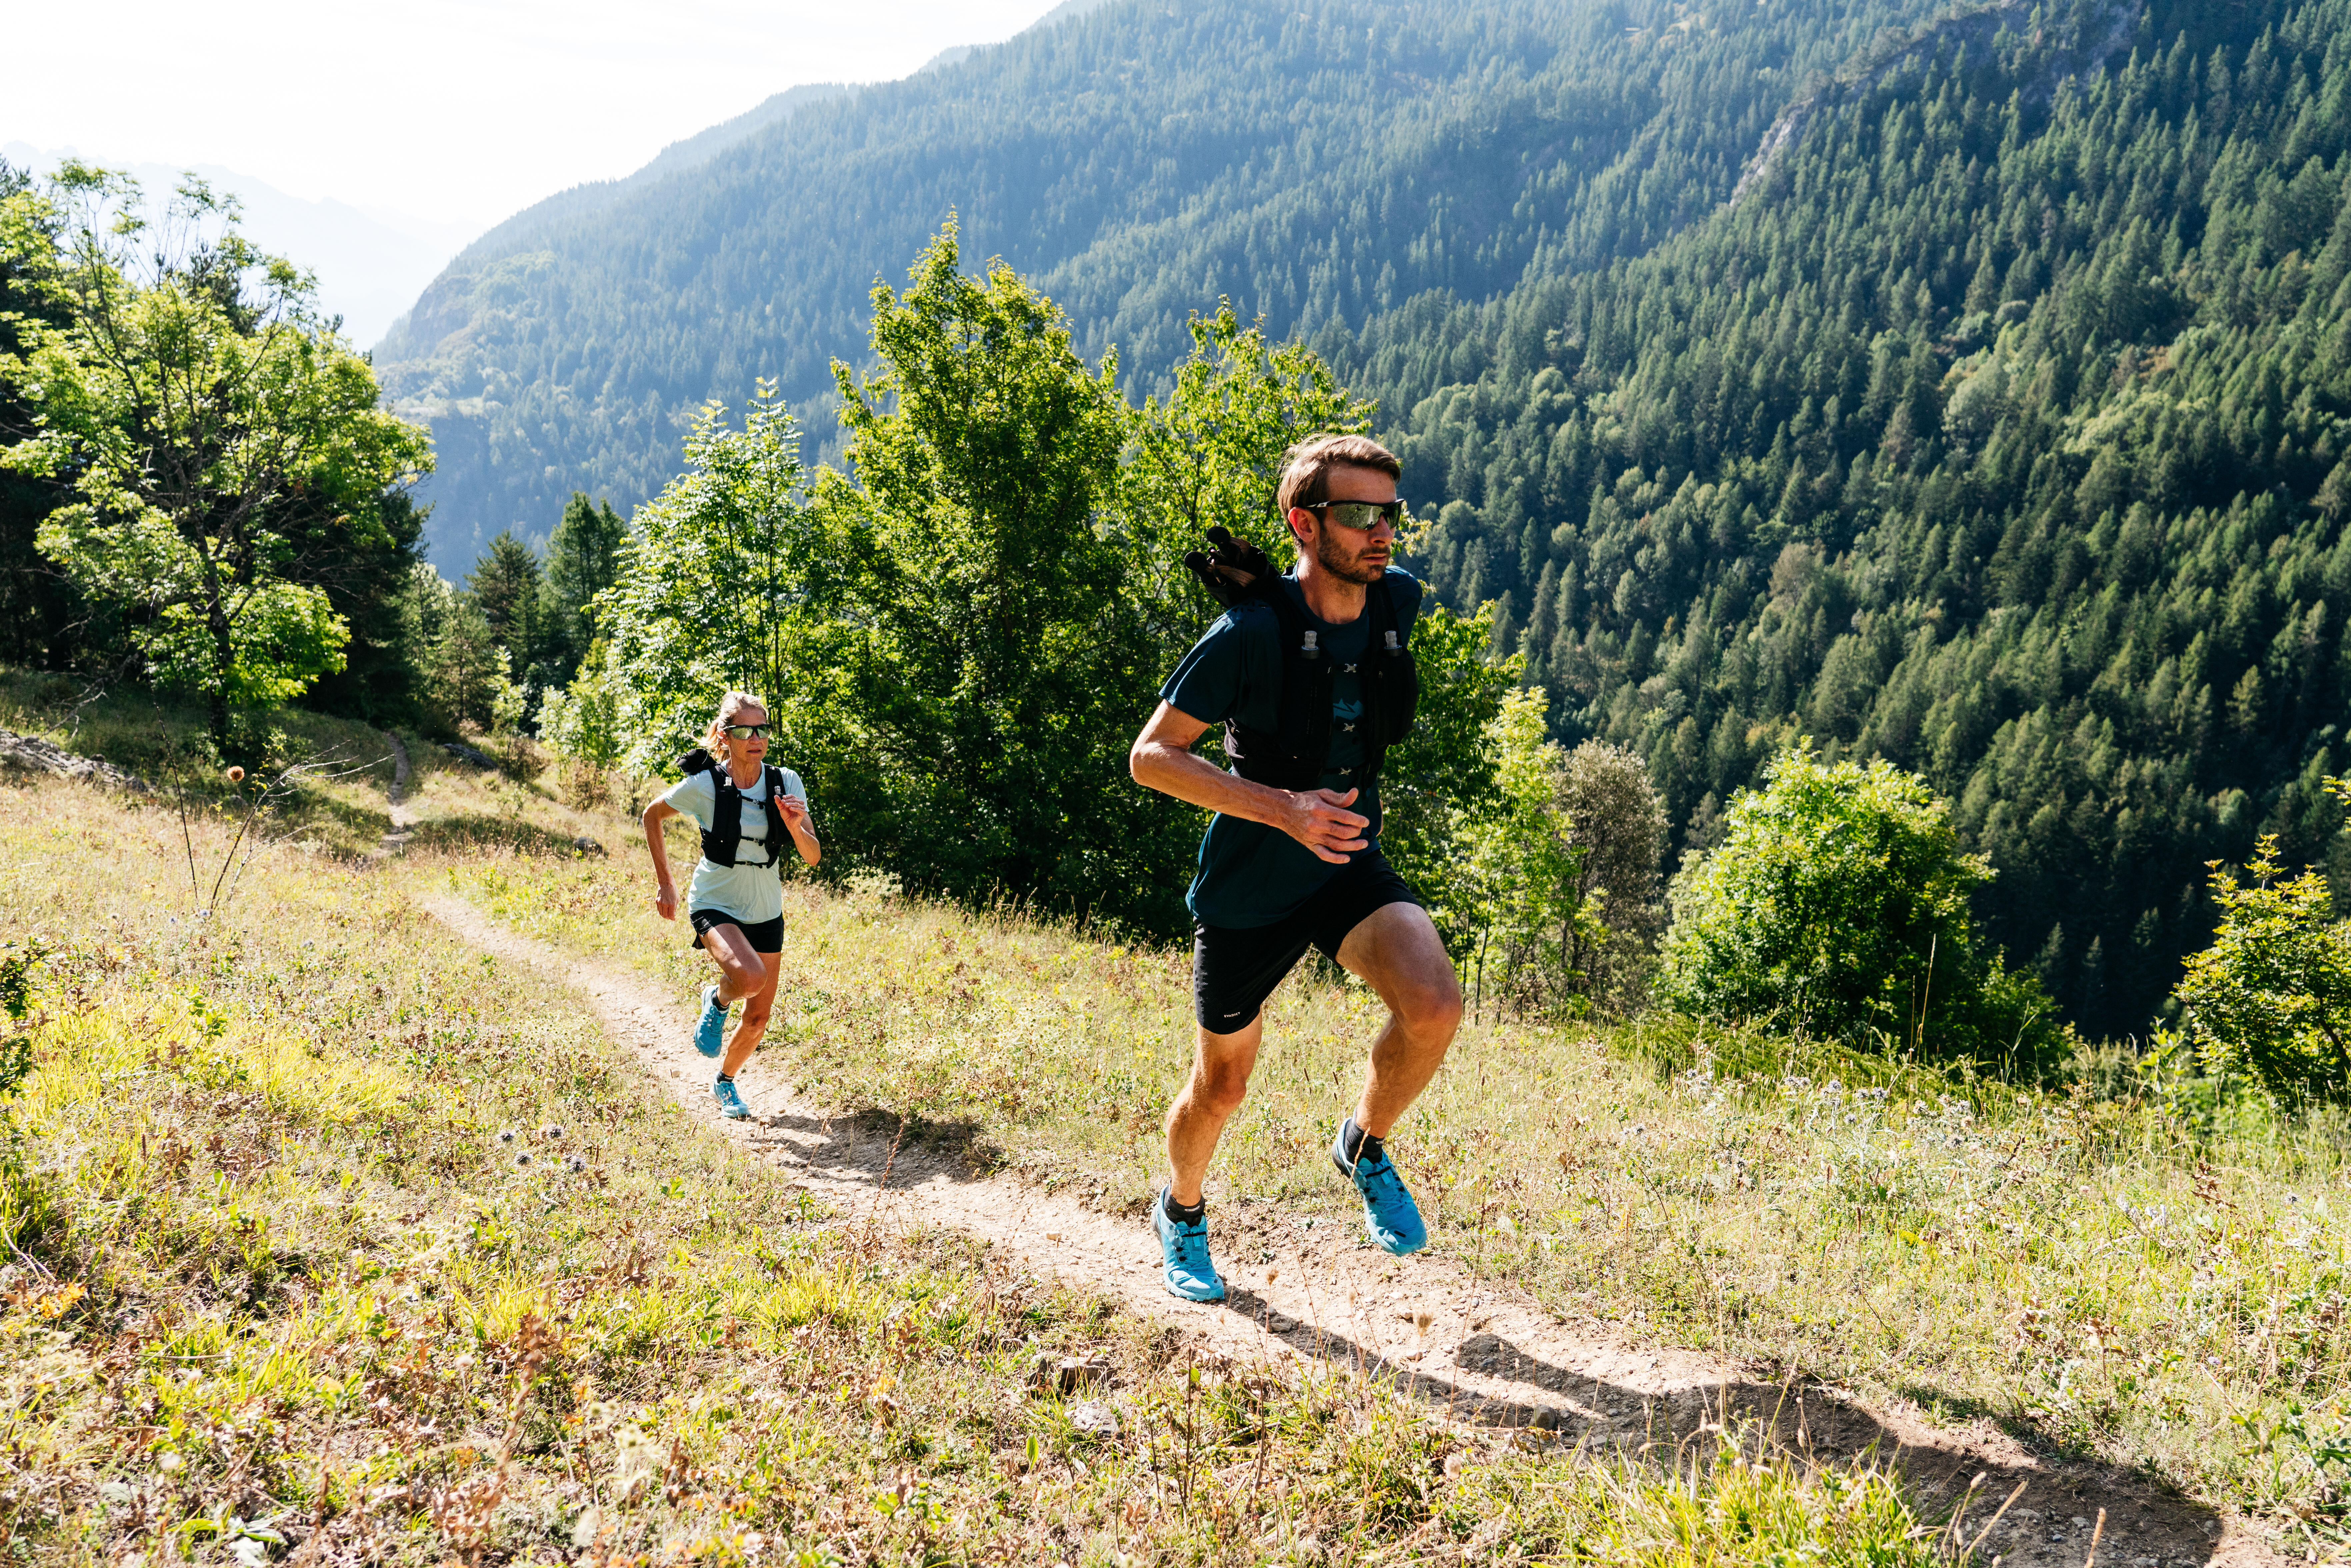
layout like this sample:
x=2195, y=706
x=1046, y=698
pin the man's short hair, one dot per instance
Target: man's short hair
x=1306, y=467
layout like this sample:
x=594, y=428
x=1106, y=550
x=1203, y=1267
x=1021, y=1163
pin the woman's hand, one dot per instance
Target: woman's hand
x=796, y=812
x=665, y=900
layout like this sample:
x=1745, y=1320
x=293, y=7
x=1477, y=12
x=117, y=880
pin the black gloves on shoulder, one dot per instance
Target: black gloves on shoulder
x=1233, y=569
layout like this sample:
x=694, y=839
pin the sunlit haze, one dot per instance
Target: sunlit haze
x=457, y=112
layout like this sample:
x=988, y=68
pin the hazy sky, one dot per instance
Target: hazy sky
x=457, y=111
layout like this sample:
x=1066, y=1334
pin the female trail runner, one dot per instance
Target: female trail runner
x=745, y=809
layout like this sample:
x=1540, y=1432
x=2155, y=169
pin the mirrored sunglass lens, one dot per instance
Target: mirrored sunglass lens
x=1364, y=514
x=745, y=731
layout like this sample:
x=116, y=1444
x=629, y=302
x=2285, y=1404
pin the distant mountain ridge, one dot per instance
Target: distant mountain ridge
x=1318, y=165
x=370, y=263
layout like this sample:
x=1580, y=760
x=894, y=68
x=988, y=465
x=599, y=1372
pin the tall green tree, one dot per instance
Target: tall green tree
x=200, y=408
x=1001, y=666
x=43, y=621
x=583, y=557
x=507, y=583
x=711, y=593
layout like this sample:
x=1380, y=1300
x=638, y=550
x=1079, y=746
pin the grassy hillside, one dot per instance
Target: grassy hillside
x=329, y=1237
x=2082, y=1267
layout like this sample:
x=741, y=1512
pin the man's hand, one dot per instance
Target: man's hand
x=1320, y=819
x=665, y=901
x=1162, y=759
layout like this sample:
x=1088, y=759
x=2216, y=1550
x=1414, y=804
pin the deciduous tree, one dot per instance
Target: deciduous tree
x=205, y=415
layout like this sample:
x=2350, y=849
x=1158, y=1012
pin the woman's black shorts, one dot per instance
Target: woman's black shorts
x=767, y=936
x=1234, y=969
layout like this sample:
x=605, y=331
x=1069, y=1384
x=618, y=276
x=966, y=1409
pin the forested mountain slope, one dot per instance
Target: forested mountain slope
x=1995, y=430
x=1963, y=385
x=1319, y=164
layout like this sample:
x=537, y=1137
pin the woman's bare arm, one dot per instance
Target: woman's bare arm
x=664, y=890
x=803, y=827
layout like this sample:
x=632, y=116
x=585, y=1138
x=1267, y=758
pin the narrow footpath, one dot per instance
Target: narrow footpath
x=403, y=821
x=1481, y=1352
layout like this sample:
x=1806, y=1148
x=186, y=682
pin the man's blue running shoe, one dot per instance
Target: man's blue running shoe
x=730, y=1103
x=1189, y=1273
x=710, y=1028
x=1389, y=1213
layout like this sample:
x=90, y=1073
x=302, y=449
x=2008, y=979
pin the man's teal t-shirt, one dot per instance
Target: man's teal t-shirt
x=1251, y=874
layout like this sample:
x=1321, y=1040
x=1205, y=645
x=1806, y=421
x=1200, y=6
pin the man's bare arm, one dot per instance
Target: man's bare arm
x=1162, y=759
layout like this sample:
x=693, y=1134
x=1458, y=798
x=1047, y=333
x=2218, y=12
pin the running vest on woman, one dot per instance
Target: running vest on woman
x=749, y=883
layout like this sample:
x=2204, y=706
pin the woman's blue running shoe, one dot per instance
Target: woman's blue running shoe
x=710, y=1028
x=730, y=1101
x=1389, y=1212
x=1189, y=1273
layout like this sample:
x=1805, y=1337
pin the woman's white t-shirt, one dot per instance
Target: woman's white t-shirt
x=751, y=893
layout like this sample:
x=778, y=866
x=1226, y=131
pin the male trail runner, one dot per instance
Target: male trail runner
x=1313, y=677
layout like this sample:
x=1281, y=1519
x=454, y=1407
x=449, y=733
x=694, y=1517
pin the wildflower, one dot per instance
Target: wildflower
x=575, y=1162
x=550, y=1132
x=522, y=1159
x=236, y=775
x=506, y=1135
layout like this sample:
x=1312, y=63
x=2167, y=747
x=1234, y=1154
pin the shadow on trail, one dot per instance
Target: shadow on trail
x=875, y=1149
x=2050, y=1524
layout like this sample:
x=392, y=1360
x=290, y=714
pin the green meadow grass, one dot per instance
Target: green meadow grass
x=2075, y=1263
x=331, y=1236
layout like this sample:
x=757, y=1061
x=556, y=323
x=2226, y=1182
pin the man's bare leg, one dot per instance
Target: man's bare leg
x=1397, y=951
x=1221, y=1064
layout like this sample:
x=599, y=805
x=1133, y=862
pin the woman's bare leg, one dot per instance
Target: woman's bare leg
x=754, y=1023
x=740, y=971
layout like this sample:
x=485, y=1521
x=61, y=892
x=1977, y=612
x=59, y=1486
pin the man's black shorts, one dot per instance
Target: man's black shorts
x=1234, y=969
x=767, y=936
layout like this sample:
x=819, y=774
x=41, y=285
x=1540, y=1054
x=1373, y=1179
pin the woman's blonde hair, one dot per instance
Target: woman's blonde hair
x=732, y=703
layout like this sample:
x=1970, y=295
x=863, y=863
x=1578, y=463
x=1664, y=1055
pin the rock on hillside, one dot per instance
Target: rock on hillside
x=31, y=754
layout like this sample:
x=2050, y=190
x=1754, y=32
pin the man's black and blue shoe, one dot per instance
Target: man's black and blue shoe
x=1389, y=1212
x=1184, y=1244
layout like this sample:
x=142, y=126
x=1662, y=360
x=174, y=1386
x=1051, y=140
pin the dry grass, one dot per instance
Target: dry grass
x=341, y=1242
x=2080, y=1266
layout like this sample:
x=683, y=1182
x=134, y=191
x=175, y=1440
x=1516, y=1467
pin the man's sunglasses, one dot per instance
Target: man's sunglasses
x=745, y=731
x=1361, y=516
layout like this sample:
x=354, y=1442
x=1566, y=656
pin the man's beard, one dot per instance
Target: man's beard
x=1358, y=571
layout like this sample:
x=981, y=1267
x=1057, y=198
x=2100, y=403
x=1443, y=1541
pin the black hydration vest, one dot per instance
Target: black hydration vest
x=1290, y=755
x=720, y=843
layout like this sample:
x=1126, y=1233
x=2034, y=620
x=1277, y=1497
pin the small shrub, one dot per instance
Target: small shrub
x=2270, y=998
x=1838, y=903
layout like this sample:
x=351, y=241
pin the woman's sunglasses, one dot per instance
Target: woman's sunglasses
x=745, y=731
x=1361, y=516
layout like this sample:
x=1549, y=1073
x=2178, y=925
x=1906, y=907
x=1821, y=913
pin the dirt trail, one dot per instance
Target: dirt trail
x=1483, y=1352
x=403, y=821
